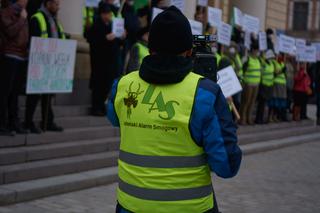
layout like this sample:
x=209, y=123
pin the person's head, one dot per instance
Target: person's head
x=143, y=34
x=269, y=32
x=52, y=6
x=170, y=34
x=109, y=1
x=269, y=55
x=22, y=3
x=105, y=12
x=254, y=49
x=232, y=50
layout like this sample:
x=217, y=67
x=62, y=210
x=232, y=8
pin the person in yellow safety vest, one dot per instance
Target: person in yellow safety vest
x=44, y=24
x=88, y=15
x=280, y=90
x=266, y=86
x=252, y=78
x=139, y=50
x=171, y=121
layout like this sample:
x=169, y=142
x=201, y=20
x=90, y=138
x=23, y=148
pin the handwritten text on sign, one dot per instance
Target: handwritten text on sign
x=118, y=27
x=214, y=16
x=229, y=82
x=51, y=66
x=251, y=24
x=287, y=44
x=263, y=41
x=224, y=34
x=196, y=27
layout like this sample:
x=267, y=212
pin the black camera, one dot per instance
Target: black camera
x=205, y=61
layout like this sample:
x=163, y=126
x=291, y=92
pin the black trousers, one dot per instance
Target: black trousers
x=12, y=80
x=46, y=109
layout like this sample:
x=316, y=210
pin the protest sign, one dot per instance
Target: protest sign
x=180, y=4
x=92, y=3
x=251, y=24
x=224, y=34
x=51, y=66
x=155, y=12
x=287, y=44
x=196, y=27
x=238, y=16
x=247, y=40
x=118, y=27
x=214, y=16
x=317, y=46
x=229, y=82
x=310, y=54
x=300, y=45
x=263, y=41
x=203, y=3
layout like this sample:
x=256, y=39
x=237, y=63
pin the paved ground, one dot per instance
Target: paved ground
x=281, y=181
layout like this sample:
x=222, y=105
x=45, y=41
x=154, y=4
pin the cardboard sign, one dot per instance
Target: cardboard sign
x=196, y=27
x=317, y=46
x=300, y=45
x=229, y=82
x=247, y=40
x=310, y=54
x=155, y=12
x=287, y=44
x=51, y=66
x=251, y=24
x=118, y=27
x=238, y=16
x=263, y=41
x=92, y=3
x=180, y=4
x=224, y=34
x=214, y=16
x=203, y=3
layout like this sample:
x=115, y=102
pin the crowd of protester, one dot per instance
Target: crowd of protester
x=274, y=85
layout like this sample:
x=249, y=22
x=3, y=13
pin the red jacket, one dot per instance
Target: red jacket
x=302, y=81
x=15, y=30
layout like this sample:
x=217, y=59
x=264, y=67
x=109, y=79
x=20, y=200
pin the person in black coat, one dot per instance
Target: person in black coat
x=105, y=54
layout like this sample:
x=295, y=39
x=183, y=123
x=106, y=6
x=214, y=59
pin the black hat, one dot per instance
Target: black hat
x=170, y=33
x=104, y=8
x=254, y=44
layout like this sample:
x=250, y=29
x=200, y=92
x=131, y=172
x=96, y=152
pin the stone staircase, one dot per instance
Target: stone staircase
x=85, y=154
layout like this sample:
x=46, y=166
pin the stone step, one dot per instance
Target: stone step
x=276, y=134
x=273, y=126
x=30, y=190
x=59, y=150
x=82, y=121
x=55, y=167
x=76, y=134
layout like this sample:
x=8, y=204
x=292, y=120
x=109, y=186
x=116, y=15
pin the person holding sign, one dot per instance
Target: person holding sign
x=44, y=24
x=105, y=50
x=175, y=127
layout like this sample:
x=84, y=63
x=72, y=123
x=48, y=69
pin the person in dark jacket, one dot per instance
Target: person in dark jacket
x=317, y=89
x=105, y=53
x=49, y=10
x=151, y=102
x=13, y=22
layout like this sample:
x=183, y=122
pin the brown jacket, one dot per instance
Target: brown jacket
x=15, y=30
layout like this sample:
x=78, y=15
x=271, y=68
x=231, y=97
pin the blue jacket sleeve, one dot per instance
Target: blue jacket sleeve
x=111, y=112
x=212, y=127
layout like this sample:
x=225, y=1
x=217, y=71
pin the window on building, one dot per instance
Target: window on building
x=300, y=16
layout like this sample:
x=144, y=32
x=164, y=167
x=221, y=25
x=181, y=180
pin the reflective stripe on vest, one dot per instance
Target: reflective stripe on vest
x=268, y=74
x=218, y=56
x=159, y=161
x=143, y=51
x=43, y=26
x=253, y=73
x=280, y=78
x=239, y=63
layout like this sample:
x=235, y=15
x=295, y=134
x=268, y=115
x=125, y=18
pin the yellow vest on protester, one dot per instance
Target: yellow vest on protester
x=252, y=75
x=268, y=73
x=143, y=51
x=280, y=77
x=161, y=169
x=87, y=15
x=44, y=28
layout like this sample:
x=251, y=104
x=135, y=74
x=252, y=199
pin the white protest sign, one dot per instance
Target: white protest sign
x=118, y=27
x=238, y=16
x=300, y=45
x=180, y=4
x=276, y=45
x=224, y=34
x=247, y=40
x=51, y=66
x=214, y=16
x=203, y=3
x=287, y=44
x=310, y=54
x=229, y=82
x=196, y=27
x=251, y=24
x=263, y=41
x=92, y=3
x=155, y=12
x=317, y=46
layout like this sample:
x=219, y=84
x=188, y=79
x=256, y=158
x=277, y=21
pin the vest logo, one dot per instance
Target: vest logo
x=131, y=100
x=158, y=104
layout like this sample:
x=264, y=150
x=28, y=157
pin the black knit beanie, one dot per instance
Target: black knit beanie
x=170, y=33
